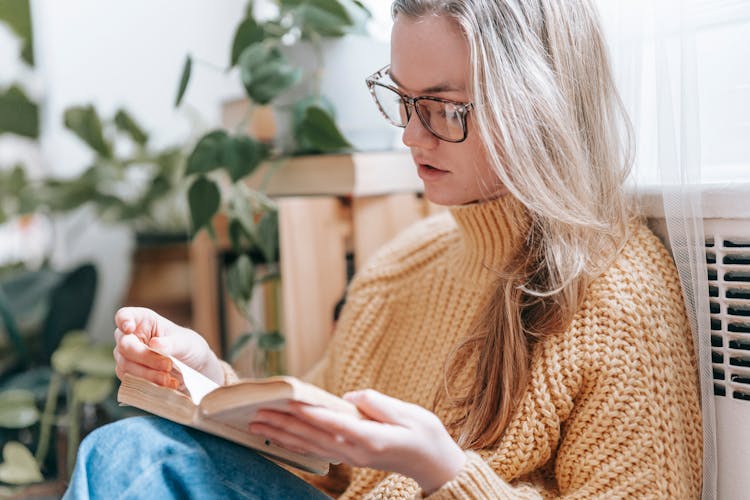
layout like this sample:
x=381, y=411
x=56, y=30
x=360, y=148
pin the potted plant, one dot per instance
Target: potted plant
x=305, y=124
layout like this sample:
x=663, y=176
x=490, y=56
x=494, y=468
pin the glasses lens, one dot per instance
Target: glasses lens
x=444, y=119
x=390, y=104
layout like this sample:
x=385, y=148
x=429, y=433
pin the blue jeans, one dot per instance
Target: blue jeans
x=149, y=457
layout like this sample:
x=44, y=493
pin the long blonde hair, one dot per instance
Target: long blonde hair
x=556, y=132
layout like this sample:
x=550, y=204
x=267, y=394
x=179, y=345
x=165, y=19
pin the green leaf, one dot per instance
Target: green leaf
x=19, y=465
x=271, y=341
x=18, y=409
x=97, y=361
x=184, y=80
x=17, y=397
x=238, y=237
x=125, y=123
x=84, y=122
x=238, y=345
x=17, y=15
x=75, y=338
x=327, y=18
x=208, y=153
x=18, y=114
x=265, y=72
x=318, y=132
x=92, y=390
x=18, y=415
x=268, y=236
x=65, y=359
x=204, y=199
x=248, y=33
x=242, y=155
x=241, y=281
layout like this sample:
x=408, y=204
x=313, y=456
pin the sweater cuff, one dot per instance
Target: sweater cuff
x=230, y=376
x=477, y=480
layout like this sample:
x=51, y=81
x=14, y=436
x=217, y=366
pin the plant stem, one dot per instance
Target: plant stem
x=74, y=433
x=48, y=418
x=317, y=46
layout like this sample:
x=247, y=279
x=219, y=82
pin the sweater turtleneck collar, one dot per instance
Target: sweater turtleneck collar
x=490, y=233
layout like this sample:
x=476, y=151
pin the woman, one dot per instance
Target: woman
x=531, y=342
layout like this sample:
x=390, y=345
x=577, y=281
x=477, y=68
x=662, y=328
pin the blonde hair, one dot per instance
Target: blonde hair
x=556, y=132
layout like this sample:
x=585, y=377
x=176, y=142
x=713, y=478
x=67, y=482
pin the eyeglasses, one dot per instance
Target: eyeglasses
x=445, y=119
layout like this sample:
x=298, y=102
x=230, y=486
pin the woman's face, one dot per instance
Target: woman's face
x=430, y=56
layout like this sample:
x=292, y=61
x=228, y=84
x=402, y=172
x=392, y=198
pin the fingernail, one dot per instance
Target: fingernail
x=128, y=326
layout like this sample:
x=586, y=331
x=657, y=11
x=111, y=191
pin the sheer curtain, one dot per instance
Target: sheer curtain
x=683, y=71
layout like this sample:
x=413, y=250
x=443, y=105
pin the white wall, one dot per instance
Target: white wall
x=130, y=54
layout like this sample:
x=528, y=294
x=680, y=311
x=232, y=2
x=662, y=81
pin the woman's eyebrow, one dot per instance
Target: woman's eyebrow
x=441, y=87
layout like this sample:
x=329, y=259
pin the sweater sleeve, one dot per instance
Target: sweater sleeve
x=632, y=429
x=478, y=480
x=624, y=423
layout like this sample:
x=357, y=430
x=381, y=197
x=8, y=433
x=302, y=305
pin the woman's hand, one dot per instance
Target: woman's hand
x=399, y=437
x=138, y=327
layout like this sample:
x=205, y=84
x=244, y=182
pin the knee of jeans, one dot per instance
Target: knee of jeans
x=129, y=434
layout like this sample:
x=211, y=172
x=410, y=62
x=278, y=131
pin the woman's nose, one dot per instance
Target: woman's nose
x=416, y=135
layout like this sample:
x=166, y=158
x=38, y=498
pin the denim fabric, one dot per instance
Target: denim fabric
x=149, y=457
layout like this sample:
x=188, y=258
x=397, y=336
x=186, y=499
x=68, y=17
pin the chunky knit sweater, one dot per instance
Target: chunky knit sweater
x=611, y=409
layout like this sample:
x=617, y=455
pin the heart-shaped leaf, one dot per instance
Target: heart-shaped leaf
x=18, y=416
x=65, y=359
x=92, y=390
x=204, y=199
x=248, y=33
x=75, y=338
x=18, y=114
x=18, y=409
x=208, y=153
x=97, y=361
x=242, y=155
x=268, y=236
x=265, y=72
x=318, y=132
x=241, y=280
x=19, y=466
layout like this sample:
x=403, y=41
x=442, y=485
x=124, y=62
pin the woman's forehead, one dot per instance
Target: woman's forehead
x=429, y=54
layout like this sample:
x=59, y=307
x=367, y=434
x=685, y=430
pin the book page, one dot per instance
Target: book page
x=192, y=382
x=196, y=384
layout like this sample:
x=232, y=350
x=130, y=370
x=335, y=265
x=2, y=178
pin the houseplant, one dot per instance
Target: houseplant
x=221, y=160
x=54, y=389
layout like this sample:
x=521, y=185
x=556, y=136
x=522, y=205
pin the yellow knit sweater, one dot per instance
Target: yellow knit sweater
x=612, y=406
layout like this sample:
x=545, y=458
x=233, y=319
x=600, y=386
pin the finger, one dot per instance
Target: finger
x=140, y=321
x=279, y=433
x=382, y=408
x=345, y=428
x=136, y=351
x=123, y=366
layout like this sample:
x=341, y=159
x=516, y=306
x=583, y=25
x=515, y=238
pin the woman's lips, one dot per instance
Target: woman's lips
x=428, y=172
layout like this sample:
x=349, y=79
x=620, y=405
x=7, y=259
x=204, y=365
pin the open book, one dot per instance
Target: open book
x=227, y=410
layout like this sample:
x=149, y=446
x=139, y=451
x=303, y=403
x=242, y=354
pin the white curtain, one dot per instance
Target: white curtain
x=683, y=71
